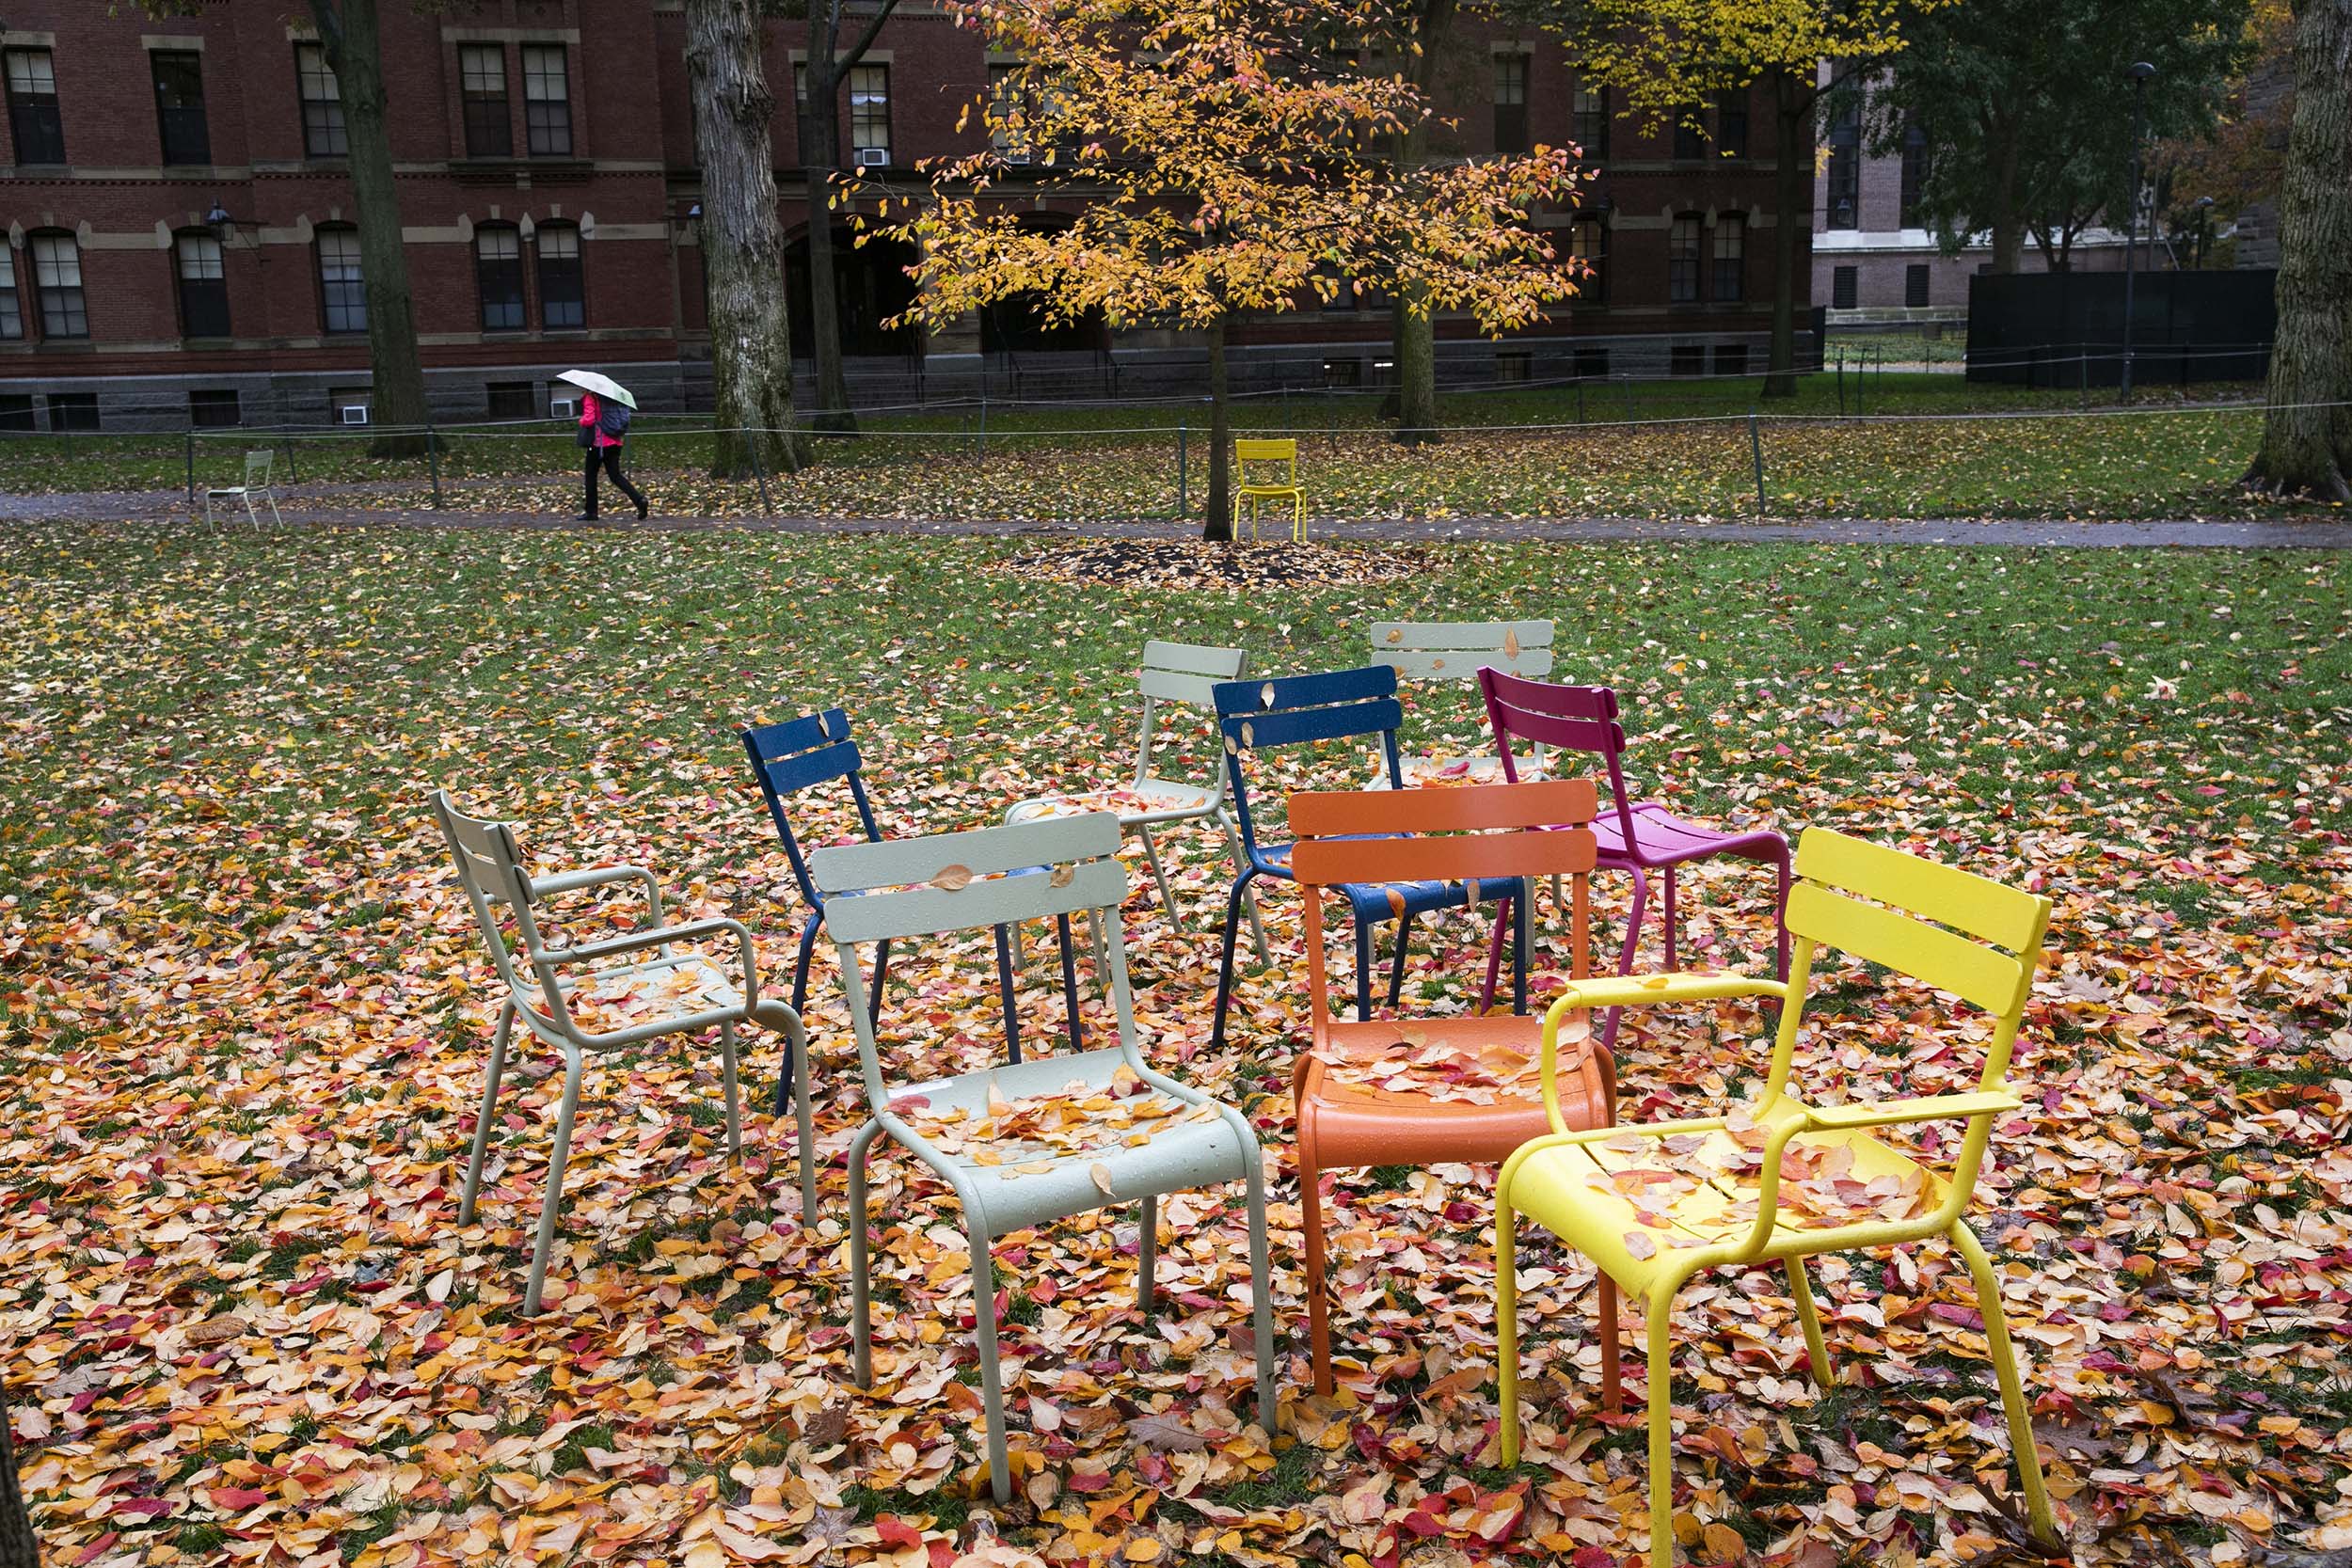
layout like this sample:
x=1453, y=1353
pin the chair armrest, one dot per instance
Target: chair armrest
x=1644, y=990
x=661, y=936
x=568, y=882
x=1888, y=1113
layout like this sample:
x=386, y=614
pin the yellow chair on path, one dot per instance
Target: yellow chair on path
x=1777, y=1180
x=1284, y=456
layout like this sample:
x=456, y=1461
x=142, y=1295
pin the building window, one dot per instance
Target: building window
x=343, y=291
x=58, y=284
x=203, y=285
x=11, y=313
x=1592, y=363
x=1588, y=241
x=179, y=106
x=214, y=409
x=1510, y=102
x=1731, y=258
x=1690, y=134
x=321, y=104
x=33, y=108
x=1514, y=364
x=1590, y=122
x=72, y=411
x=1007, y=109
x=1682, y=261
x=1915, y=170
x=512, y=400
x=16, y=411
x=1343, y=373
x=481, y=77
x=1731, y=124
x=1915, y=285
x=869, y=111
x=1841, y=288
x=561, y=303
x=1731, y=359
x=546, y=100
x=498, y=264
x=1687, y=359
x=1845, y=163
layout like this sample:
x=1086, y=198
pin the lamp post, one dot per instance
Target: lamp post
x=2204, y=230
x=2141, y=71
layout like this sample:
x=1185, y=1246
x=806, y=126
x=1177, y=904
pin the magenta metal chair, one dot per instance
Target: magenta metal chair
x=1635, y=836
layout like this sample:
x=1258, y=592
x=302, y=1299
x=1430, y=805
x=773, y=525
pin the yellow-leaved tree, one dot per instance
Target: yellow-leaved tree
x=1216, y=157
x=1666, y=55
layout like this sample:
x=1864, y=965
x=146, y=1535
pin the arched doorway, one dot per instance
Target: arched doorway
x=1019, y=326
x=870, y=285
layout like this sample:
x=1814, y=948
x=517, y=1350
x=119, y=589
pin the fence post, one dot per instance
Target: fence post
x=1626, y=382
x=1580, y=400
x=191, y=465
x=760, y=472
x=433, y=458
x=980, y=453
x=1755, y=447
x=1841, y=383
x=1184, y=499
x=294, y=475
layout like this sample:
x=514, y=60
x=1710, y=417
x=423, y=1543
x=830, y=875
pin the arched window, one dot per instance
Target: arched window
x=562, y=302
x=498, y=251
x=342, y=287
x=204, y=284
x=1682, y=261
x=1731, y=258
x=58, y=284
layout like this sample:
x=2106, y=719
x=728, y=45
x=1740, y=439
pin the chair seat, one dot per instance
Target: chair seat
x=1269, y=489
x=1372, y=901
x=633, y=994
x=1139, y=804
x=1066, y=1134
x=1469, y=1091
x=1633, y=1201
x=1661, y=839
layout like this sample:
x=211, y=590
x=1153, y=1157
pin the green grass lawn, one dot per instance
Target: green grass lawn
x=243, y=1020
x=1927, y=450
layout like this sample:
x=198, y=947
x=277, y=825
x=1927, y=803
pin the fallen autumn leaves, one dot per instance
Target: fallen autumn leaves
x=245, y=1023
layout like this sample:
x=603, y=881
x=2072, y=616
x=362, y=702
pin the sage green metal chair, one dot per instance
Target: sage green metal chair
x=1164, y=1137
x=1426, y=651
x=675, y=991
x=1182, y=674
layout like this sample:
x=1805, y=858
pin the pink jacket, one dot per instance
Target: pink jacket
x=588, y=408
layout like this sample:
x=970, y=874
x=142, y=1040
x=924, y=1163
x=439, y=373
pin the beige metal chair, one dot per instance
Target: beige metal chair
x=258, y=468
x=677, y=990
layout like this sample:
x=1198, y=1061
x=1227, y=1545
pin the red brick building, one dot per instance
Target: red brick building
x=181, y=240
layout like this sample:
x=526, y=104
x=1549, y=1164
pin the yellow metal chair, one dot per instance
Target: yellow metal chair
x=1284, y=456
x=1778, y=1181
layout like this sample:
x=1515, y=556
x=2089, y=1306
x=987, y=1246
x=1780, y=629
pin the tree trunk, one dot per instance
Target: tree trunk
x=751, y=325
x=354, y=48
x=1792, y=178
x=821, y=157
x=1218, y=523
x=2305, y=448
x=2009, y=229
x=1413, y=345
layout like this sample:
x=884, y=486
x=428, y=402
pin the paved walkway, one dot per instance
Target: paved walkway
x=320, y=507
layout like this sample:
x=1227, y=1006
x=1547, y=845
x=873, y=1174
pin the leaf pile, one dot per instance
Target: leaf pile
x=246, y=1018
x=1183, y=565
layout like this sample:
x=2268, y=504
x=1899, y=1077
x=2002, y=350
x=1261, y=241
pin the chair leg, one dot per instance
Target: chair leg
x=992, y=1379
x=1225, y=966
x=1256, y=926
x=274, y=514
x=1661, y=1425
x=1396, y=963
x=1261, y=1288
x=1318, y=1287
x=1070, y=976
x=554, y=1200
x=1494, y=965
x=1364, y=968
x=1816, y=1348
x=727, y=1079
x=1612, y=1351
x=1632, y=945
x=489, y=1106
x=2004, y=1357
x=800, y=1006
x=860, y=1279
x=1004, y=987
x=1167, y=898
x=253, y=517
x=804, y=1114
x=1147, y=1253
x=1780, y=917
x=1507, y=1322
x=1672, y=920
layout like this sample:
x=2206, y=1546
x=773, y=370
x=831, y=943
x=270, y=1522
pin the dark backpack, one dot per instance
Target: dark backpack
x=612, y=416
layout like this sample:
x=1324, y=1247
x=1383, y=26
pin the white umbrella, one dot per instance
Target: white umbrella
x=603, y=385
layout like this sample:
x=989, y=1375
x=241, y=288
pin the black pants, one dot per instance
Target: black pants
x=610, y=457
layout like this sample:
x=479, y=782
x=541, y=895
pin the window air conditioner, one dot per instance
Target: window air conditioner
x=1016, y=155
x=563, y=408
x=873, y=157
x=355, y=413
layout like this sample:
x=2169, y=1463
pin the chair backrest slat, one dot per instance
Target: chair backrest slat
x=1565, y=718
x=1296, y=711
x=1170, y=686
x=490, y=869
x=1249, y=450
x=801, y=753
x=1455, y=650
x=257, y=466
x=1194, y=658
x=960, y=881
x=1929, y=954
x=1331, y=814
x=1491, y=858
x=1331, y=825
x=1304, y=726
x=2006, y=917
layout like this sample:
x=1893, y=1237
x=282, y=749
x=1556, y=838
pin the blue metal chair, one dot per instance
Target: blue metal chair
x=814, y=749
x=1297, y=710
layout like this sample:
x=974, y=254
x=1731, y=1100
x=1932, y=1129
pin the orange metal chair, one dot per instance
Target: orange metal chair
x=1426, y=1091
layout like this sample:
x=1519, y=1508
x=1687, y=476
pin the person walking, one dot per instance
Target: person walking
x=603, y=427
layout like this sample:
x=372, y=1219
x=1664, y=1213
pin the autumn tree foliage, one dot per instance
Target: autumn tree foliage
x=1220, y=156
